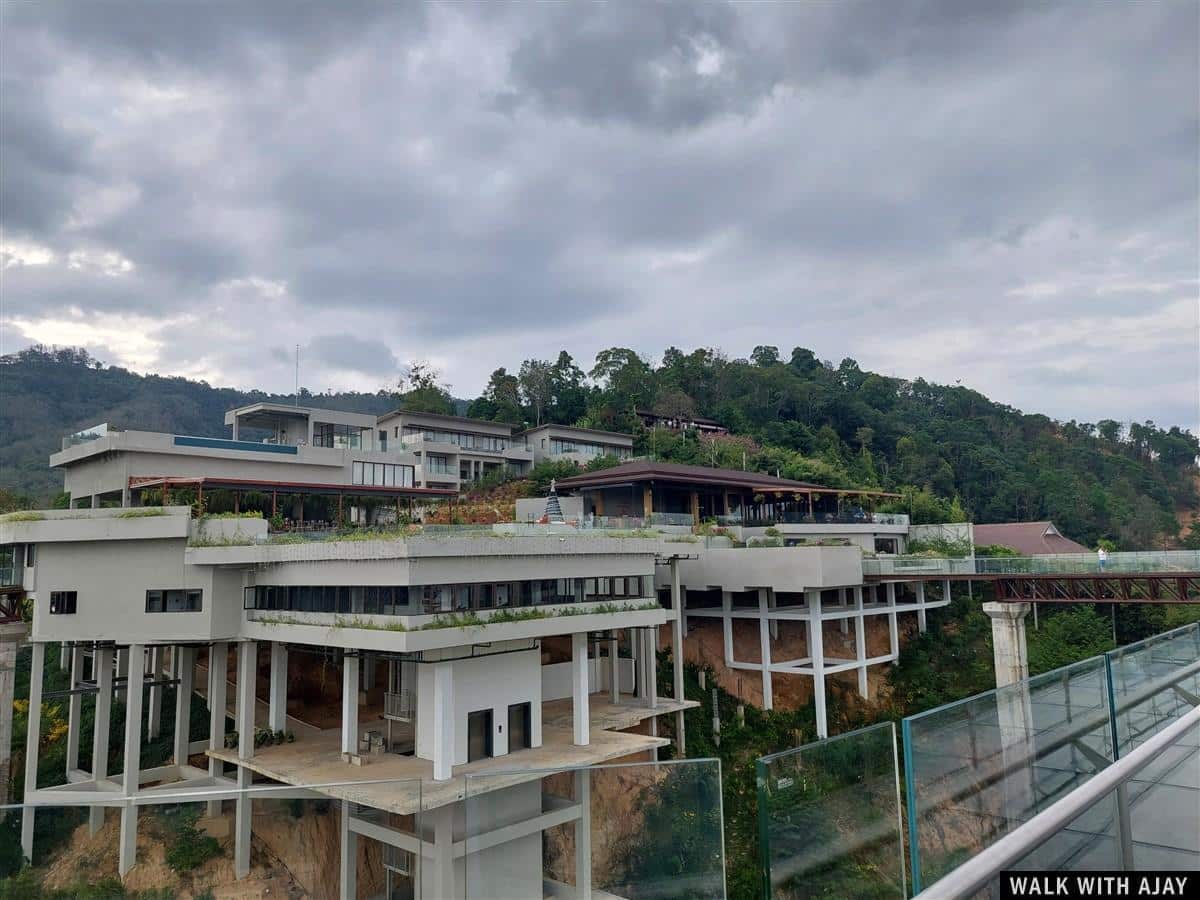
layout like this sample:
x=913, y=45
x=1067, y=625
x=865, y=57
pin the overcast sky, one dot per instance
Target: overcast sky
x=1004, y=194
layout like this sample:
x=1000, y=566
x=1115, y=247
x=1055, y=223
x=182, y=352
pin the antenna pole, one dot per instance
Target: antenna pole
x=297, y=374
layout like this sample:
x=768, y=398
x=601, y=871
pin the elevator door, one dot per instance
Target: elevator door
x=518, y=727
x=479, y=735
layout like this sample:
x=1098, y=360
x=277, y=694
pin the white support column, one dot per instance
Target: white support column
x=893, y=628
x=102, y=671
x=1008, y=641
x=349, y=856
x=185, y=671
x=683, y=610
x=946, y=589
x=727, y=626
x=764, y=641
x=579, y=689
x=350, y=676
x=614, y=668
x=247, y=676
x=652, y=666
x=243, y=818
x=277, y=717
x=74, y=709
x=860, y=642
x=218, y=673
x=443, y=722
x=816, y=650
x=844, y=623
x=127, y=855
x=37, y=670
x=677, y=632
x=921, y=624
x=583, y=835
x=443, y=851
x=11, y=638
x=154, y=711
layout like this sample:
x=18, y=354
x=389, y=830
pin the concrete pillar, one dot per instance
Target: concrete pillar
x=683, y=610
x=127, y=854
x=443, y=851
x=277, y=718
x=1008, y=641
x=154, y=711
x=583, y=835
x=651, y=655
x=921, y=623
x=74, y=710
x=102, y=670
x=727, y=626
x=579, y=689
x=349, y=855
x=816, y=650
x=764, y=641
x=246, y=678
x=677, y=654
x=844, y=623
x=893, y=627
x=614, y=668
x=11, y=636
x=860, y=642
x=443, y=722
x=350, y=676
x=185, y=671
x=242, y=820
x=647, y=503
x=37, y=670
x=218, y=670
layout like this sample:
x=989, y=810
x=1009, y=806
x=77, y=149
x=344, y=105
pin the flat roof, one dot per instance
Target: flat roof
x=577, y=430
x=441, y=417
x=646, y=470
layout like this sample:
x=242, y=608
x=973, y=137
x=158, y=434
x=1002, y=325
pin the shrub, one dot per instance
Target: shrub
x=188, y=847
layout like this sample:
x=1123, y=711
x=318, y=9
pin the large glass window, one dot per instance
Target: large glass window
x=341, y=437
x=382, y=474
x=430, y=599
x=586, y=448
x=482, y=443
x=174, y=600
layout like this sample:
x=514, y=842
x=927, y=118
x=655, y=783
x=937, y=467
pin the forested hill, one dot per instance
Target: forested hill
x=836, y=424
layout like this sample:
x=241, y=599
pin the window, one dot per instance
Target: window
x=383, y=439
x=62, y=603
x=342, y=437
x=381, y=474
x=180, y=600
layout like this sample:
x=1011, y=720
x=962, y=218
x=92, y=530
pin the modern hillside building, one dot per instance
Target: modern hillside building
x=423, y=657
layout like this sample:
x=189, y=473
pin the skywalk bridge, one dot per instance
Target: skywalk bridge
x=1168, y=576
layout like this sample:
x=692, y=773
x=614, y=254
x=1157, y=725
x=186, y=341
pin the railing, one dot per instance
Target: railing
x=1050, y=564
x=862, y=518
x=635, y=522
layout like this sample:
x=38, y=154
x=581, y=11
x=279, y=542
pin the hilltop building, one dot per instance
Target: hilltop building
x=518, y=648
x=1027, y=538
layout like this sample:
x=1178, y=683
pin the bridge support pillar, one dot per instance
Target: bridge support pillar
x=1008, y=641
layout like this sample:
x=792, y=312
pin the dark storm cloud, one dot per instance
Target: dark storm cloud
x=997, y=192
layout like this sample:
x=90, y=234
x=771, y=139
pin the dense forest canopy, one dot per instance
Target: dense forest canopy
x=793, y=414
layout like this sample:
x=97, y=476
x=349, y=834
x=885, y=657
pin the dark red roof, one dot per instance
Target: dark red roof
x=1028, y=538
x=642, y=470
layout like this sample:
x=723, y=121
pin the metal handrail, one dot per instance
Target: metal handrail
x=978, y=871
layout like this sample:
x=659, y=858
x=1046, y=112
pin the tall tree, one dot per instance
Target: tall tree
x=537, y=387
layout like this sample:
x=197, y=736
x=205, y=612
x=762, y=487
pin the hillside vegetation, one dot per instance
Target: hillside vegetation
x=793, y=415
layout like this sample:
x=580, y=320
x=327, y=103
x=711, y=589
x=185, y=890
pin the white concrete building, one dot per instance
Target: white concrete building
x=454, y=654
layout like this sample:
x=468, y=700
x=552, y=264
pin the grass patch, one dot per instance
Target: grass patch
x=23, y=515
x=141, y=512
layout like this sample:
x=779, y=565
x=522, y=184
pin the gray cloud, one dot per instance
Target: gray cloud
x=1002, y=193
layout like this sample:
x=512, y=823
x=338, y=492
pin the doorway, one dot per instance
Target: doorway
x=479, y=735
x=519, y=727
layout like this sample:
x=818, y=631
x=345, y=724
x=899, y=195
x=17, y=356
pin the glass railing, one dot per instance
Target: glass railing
x=651, y=830
x=86, y=435
x=829, y=815
x=977, y=768
x=1051, y=564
